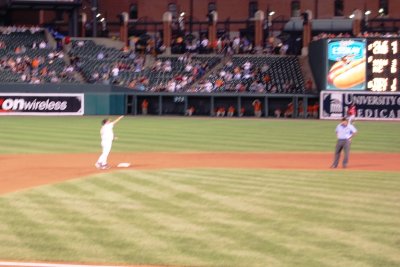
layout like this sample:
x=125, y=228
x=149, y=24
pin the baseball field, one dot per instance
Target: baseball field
x=201, y=192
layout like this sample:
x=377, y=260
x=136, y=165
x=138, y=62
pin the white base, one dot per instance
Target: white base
x=123, y=165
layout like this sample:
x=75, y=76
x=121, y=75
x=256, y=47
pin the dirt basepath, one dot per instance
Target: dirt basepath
x=24, y=171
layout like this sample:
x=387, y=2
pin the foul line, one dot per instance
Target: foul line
x=35, y=264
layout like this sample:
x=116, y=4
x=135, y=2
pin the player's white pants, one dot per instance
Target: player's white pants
x=106, y=146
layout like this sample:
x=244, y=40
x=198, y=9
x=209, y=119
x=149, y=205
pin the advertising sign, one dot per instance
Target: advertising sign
x=346, y=64
x=368, y=105
x=41, y=104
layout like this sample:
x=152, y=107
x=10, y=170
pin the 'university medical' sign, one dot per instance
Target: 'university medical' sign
x=369, y=105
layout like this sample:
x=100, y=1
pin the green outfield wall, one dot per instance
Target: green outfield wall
x=115, y=100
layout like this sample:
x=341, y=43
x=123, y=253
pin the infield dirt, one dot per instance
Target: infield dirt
x=25, y=171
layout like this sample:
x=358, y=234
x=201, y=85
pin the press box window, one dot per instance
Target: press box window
x=339, y=7
x=133, y=11
x=253, y=7
x=212, y=6
x=383, y=7
x=295, y=8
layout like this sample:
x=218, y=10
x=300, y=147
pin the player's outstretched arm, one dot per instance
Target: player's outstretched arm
x=118, y=119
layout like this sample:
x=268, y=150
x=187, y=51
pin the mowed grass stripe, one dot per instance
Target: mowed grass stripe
x=182, y=217
x=78, y=225
x=318, y=200
x=21, y=226
x=68, y=229
x=300, y=199
x=321, y=181
x=162, y=220
x=174, y=224
x=197, y=134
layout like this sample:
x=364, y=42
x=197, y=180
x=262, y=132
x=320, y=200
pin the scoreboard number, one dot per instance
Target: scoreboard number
x=382, y=64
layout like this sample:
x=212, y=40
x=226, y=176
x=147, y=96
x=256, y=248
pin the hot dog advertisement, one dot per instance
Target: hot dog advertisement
x=346, y=64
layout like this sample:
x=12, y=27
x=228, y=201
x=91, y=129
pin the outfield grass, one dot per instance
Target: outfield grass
x=207, y=217
x=81, y=134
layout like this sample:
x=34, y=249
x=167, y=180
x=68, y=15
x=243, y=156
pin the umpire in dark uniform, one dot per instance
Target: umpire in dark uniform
x=344, y=132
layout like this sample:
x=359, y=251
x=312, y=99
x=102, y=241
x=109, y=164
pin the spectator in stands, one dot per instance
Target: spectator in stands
x=208, y=86
x=236, y=45
x=219, y=83
x=35, y=80
x=237, y=74
x=54, y=78
x=42, y=45
x=288, y=87
x=105, y=78
x=283, y=49
x=35, y=63
x=254, y=87
x=247, y=65
x=100, y=55
x=264, y=68
x=309, y=85
x=94, y=77
x=115, y=71
x=188, y=67
x=273, y=88
x=171, y=86
x=204, y=45
x=167, y=66
x=240, y=87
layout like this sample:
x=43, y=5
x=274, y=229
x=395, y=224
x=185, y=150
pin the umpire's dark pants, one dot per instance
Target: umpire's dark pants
x=342, y=144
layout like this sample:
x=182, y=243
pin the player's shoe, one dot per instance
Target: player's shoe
x=104, y=166
x=97, y=165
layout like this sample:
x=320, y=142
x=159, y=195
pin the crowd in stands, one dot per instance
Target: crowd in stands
x=256, y=75
x=126, y=67
x=105, y=65
x=26, y=57
x=228, y=46
x=184, y=70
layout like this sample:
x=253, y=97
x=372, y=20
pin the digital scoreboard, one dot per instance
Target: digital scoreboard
x=363, y=64
x=383, y=64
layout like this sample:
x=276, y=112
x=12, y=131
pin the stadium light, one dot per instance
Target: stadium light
x=271, y=13
x=351, y=16
x=368, y=12
x=102, y=19
x=381, y=11
x=98, y=15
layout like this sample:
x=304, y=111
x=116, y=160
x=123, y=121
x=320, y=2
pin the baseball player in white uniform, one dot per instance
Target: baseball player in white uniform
x=107, y=138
